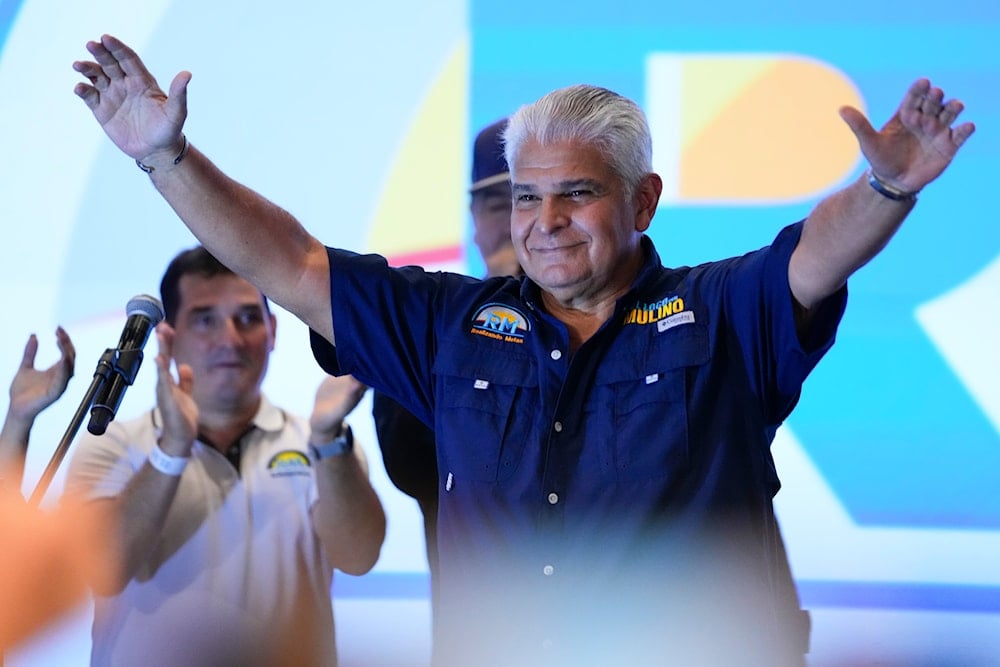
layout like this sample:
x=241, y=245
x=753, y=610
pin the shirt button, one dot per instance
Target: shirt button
x=548, y=570
x=558, y=427
x=553, y=498
x=547, y=644
x=556, y=355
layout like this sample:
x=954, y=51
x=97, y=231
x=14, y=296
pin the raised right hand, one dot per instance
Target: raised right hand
x=32, y=389
x=129, y=104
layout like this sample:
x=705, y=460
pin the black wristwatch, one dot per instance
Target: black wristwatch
x=340, y=445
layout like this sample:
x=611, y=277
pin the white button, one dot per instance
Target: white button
x=548, y=570
x=553, y=498
x=556, y=354
x=558, y=427
x=547, y=644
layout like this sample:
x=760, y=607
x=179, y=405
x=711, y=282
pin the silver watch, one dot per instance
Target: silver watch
x=340, y=445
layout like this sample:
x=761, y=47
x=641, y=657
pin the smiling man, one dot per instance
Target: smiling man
x=230, y=513
x=604, y=423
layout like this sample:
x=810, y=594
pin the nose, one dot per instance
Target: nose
x=552, y=215
x=229, y=333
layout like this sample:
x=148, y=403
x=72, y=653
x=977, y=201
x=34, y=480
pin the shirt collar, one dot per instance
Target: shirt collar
x=269, y=417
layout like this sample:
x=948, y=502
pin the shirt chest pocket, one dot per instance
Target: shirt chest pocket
x=482, y=420
x=648, y=403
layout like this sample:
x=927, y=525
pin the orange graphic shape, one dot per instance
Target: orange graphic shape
x=776, y=137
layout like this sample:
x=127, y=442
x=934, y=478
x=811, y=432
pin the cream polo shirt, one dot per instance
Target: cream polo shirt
x=239, y=574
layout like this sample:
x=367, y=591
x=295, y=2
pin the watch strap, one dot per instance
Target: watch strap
x=339, y=446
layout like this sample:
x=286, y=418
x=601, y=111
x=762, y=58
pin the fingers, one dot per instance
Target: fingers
x=165, y=338
x=915, y=95
x=949, y=114
x=924, y=104
x=92, y=71
x=106, y=59
x=165, y=342
x=177, y=96
x=126, y=60
x=164, y=380
x=30, y=350
x=950, y=111
x=185, y=375
x=932, y=102
x=67, y=350
x=185, y=378
x=961, y=133
x=858, y=124
x=88, y=94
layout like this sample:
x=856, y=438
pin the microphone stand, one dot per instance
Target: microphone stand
x=109, y=364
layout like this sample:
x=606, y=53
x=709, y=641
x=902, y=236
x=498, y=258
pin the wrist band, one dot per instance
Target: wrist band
x=165, y=463
x=177, y=160
x=889, y=191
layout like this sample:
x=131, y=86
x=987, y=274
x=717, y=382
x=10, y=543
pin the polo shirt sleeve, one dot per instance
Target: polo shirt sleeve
x=101, y=467
x=383, y=319
x=758, y=303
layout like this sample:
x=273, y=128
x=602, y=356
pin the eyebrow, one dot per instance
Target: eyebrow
x=242, y=308
x=563, y=186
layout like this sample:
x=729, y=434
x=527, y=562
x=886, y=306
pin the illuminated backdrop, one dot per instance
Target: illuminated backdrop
x=359, y=118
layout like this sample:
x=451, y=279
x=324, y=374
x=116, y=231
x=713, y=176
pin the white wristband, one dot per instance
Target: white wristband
x=165, y=463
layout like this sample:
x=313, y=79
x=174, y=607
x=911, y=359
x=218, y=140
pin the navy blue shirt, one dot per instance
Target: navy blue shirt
x=625, y=486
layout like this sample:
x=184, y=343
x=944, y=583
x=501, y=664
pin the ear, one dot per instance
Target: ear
x=647, y=196
x=274, y=330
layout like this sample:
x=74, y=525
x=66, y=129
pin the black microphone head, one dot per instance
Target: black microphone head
x=119, y=366
x=143, y=304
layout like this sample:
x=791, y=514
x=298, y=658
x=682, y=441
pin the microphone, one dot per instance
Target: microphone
x=119, y=366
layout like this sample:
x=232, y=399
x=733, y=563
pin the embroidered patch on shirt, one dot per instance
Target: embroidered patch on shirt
x=655, y=312
x=501, y=322
x=687, y=317
x=481, y=384
x=289, y=462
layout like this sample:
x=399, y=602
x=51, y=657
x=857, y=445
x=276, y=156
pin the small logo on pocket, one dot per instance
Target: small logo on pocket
x=687, y=317
x=289, y=462
x=504, y=323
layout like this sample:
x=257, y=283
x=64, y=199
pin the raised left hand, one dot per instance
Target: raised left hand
x=917, y=143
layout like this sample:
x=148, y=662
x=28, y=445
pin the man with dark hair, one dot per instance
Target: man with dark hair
x=230, y=513
x=604, y=424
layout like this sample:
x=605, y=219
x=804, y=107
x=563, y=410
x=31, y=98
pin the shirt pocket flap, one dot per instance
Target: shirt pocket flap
x=478, y=377
x=676, y=348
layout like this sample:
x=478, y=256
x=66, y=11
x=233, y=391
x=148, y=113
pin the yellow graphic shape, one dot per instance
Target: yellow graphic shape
x=423, y=205
x=759, y=129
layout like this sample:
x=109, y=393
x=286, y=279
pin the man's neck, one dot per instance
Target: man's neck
x=585, y=314
x=223, y=427
x=581, y=322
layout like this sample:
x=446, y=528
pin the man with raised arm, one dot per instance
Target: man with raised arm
x=603, y=424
